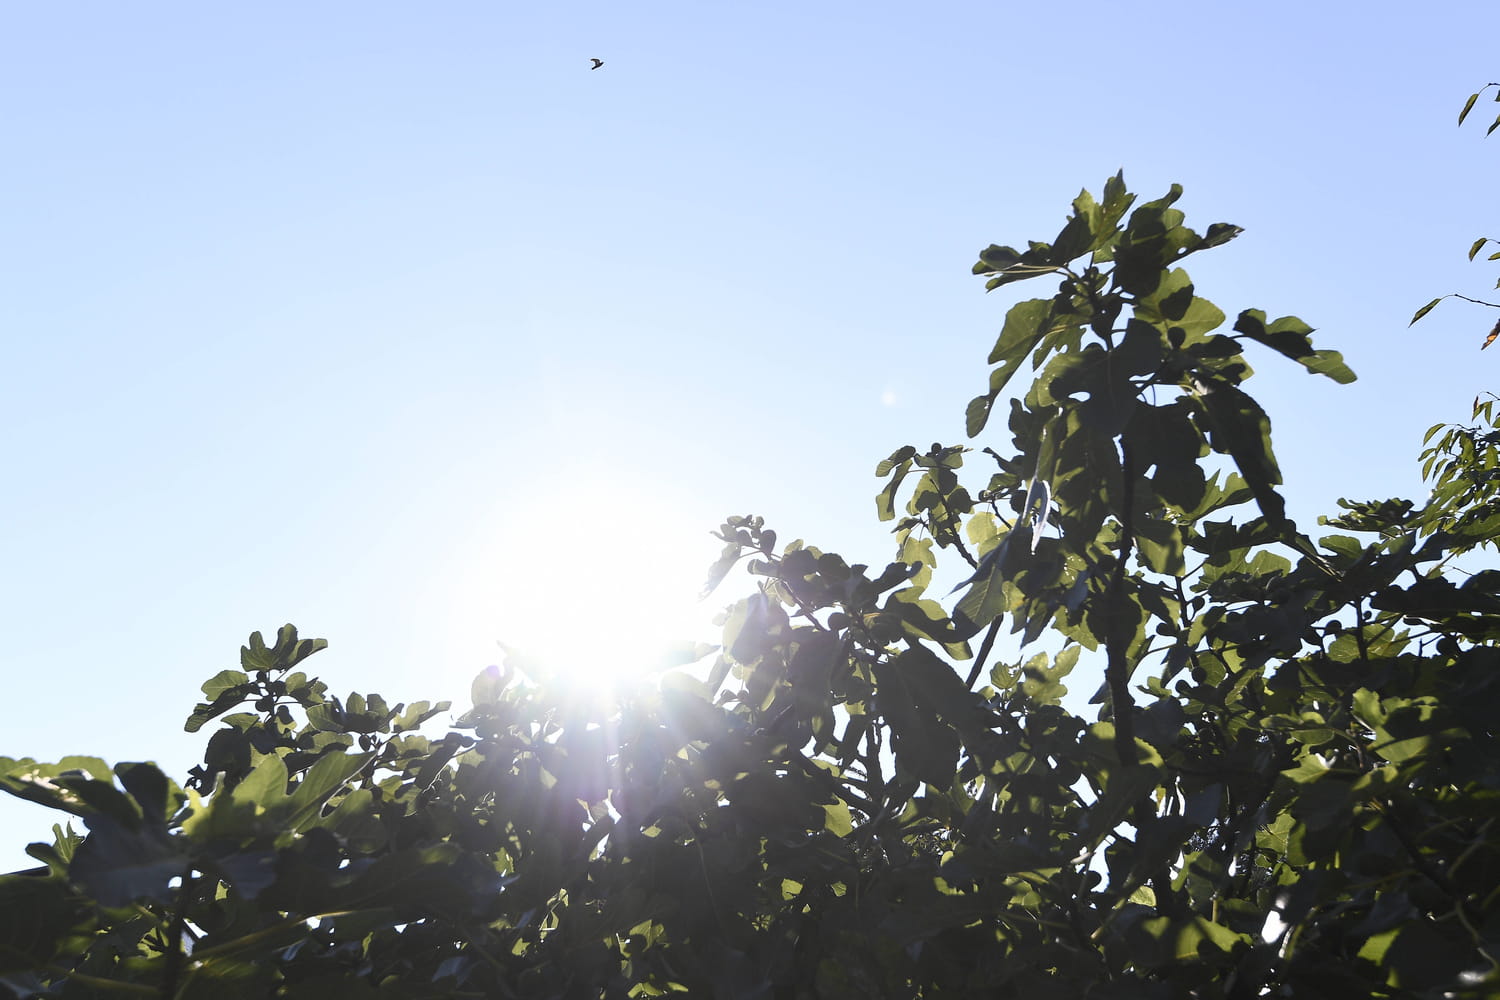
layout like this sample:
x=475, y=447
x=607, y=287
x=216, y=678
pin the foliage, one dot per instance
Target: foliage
x=1291, y=786
x=1480, y=243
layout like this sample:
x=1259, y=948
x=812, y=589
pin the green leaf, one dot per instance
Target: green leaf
x=1292, y=337
x=1187, y=940
x=976, y=415
x=996, y=258
x=1078, y=235
x=488, y=685
x=318, y=784
x=1426, y=309
x=728, y=556
x=225, y=690
x=420, y=712
x=885, y=500
x=1043, y=684
x=117, y=865
x=235, y=815
x=355, y=820
x=1026, y=325
x=68, y=786
x=1161, y=545
x=837, y=819
x=439, y=877
x=149, y=787
x=1174, y=308
x=58, y=854
x=986, y=598
x=225, y=680
x=753, y=628
x=911, y=691
x=265, y=786
x=1116, y=198
x=286, y=654
x=898, y=457
x=1468, y=106
x=1220, y=233
x=1240, y=428
x=37, y=915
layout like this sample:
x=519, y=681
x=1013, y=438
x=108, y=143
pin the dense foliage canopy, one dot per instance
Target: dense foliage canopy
x=1290, y=786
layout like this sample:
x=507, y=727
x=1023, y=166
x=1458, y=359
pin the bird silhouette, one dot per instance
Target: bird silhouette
x=597, y=63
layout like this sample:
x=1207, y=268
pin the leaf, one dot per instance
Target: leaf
x=1478, y=245
x=1426, y=309
x=837, y=819
x=1220, y=233
x=36, y=916
x=225, y=690
x=356, y=821
x=1161, y=546
x=885, y=500
x=1491, y=338
x=1026, y=325
x=418, y=713
x=754, y=627
x=1240, y=428
x=117, y=865
x=234, y=815
x=1170, y=314
x=996, y=258
x=149, y=787
x=911, y=691
x=977, y=413
x=286, y=654
x=985, y=600
x=1292, y=337
x=58, y=854
x=1009, y=266
x=720, y=569
x=1043, y=685
x=224, y=680
x=924, y=618
x=319, y=784
x=1077, y=236
x=488, y=685
x=60, y=786
x=1468, y=106
x=900, y=455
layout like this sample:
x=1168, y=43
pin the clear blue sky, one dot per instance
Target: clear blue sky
x=385, y=319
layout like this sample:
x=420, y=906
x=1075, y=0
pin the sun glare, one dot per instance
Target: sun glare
x=592, y=593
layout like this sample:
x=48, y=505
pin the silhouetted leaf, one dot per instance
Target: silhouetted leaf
x=1291, y=337
x=1240, y=428
x=117, y=865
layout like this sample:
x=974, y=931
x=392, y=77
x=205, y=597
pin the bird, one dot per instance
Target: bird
x=597, y=63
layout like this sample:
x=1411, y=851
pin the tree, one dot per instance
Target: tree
x=1291, y=786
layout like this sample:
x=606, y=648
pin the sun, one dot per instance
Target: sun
x=592, y=590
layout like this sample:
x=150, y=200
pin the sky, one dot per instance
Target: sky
x=403, y=325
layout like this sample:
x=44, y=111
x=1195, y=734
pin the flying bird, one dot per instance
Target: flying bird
x=597, y=63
